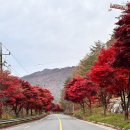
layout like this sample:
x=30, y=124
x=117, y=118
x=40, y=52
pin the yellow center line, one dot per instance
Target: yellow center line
x=60, y=123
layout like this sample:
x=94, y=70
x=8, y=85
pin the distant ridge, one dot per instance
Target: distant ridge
x=53, y=79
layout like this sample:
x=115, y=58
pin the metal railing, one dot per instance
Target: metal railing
x=20, y=120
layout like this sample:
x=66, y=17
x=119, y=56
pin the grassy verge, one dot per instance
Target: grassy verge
x=116, y=120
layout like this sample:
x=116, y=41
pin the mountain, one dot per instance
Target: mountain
x=52, y=79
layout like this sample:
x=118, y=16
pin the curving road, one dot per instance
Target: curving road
x=59, y=122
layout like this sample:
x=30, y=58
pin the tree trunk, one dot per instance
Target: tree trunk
x=105, y=109
x=27, y=112
x=16, y=113
x=126, y=115
x=31, y=112
x=83, y=107
x=39, y=112
x=125, y=105
x=90, y=107
x=104, y=106
x=36, y=111
x=22, y=112
x=73, y=108
x=1, y=112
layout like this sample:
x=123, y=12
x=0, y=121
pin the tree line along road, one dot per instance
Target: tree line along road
x=58, y=122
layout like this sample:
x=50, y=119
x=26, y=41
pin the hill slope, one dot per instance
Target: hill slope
x=53, y=79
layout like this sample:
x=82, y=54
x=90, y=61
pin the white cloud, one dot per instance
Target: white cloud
x=55, y=33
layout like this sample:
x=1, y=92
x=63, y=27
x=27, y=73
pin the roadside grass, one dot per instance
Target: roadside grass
x=116, y=120
x=112, y=119
x=7, y=116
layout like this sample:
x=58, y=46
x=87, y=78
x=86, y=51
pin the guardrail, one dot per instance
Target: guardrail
x=19, y=120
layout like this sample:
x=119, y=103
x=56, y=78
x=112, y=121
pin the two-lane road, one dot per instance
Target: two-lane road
x=59, y=122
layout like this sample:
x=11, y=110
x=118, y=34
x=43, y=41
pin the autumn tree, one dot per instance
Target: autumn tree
x=18, y=95
x=29, y=97
x=57, y=108
x=13, y=94
x=80, y=90
x=101, y=74
x=122, y=58
x=3, y=77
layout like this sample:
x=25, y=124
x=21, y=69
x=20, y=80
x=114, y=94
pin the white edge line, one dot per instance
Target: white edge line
x=101, y=126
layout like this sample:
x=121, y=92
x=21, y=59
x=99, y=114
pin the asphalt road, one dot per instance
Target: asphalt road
x=59, y=122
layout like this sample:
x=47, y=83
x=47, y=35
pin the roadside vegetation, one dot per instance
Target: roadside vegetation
x=102, y=75
x=114, y=119
x=20, y=99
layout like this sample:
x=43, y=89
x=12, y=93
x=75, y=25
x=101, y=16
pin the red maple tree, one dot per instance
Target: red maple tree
x=121, y=61
x=101, y=74
x=19, y=94
x=80, y=90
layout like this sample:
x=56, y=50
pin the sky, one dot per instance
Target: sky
x=53, y=33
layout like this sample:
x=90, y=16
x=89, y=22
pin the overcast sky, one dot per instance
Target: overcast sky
x=53, y=33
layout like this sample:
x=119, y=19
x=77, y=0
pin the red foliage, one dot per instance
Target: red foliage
x=80, y=90
x=121, y=61
x=102, y=75
x=120, y=84
x=111, y=72
x=56, y=108
x=19, y=94
x=122, y=34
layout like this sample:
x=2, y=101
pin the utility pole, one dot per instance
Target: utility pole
x=1, y=62
x=1, y=57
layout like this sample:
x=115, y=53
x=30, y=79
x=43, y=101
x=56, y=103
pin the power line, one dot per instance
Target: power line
x=15, y=71
x=18, y=62
x=10, y=67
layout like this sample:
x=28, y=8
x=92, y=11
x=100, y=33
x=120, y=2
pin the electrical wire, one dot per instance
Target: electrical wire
x=18, y=62
x=10, y=67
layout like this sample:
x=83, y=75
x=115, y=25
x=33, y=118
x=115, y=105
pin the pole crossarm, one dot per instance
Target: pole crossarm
x=7, y=54
x=117, y=6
